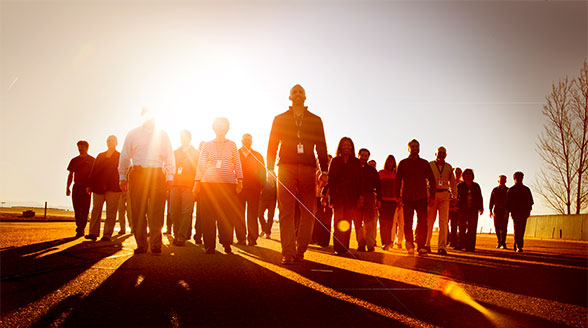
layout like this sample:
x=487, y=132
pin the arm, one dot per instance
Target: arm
x=237, y=167
x=262, y=175
x=124, y=163
x=169, y=158
x=321, y=146
x=69, y=181
x=492, y=202
x=272, y=145
x=432, y=181
x=481, y=200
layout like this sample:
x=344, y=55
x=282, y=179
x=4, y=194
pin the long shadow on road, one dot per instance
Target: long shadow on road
x=423, y=304
x=33, y=271
x=184, y=287
x=486, y=268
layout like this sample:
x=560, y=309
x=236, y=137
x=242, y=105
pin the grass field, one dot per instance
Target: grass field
x=15, y=213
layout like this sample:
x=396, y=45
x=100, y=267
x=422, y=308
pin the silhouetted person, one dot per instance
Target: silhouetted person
x=149, y=149
x=498, y=211
x=444, y=188
x=253, y=181
x=453, y=212
x=104, y=186
x=345, y=183
x=219, y=179
x=389, y=202
x=519, y=202
x=321, y=233
x=372, y=163
x=198, y=223
x=469, y=203
x=413, y=175
x=267, y=202
x=181, y=198
x=297, y=133
x=365, y=225
x=79, y=172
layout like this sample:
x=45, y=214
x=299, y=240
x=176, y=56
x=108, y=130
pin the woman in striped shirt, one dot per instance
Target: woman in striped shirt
x=219, y=178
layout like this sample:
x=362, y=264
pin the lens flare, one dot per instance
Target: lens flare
x=343, y=226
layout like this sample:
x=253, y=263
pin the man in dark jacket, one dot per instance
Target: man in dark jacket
x=79, y=172
x=253, y=182
x=498, y=211
x=365, y=225
x=519, y=202
x=298, y=133
x=413, y=174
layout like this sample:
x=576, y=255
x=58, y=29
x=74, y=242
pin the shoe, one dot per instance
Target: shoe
x=427, y=248
x=385, y=247
x=210, y=251
x=167, y=232
x=79, y=234
x=423, y=251
x=252, y=243
x=268, y=235
x=228, y=250
x=498, y=246
x=198, y=241
x=91, y=237
x=410, y=251
x=441, y=251
x=122, y=232
x=261, y=235
x=180, y=242
x=341, y=253
x=399, y=246
x=371, y=249
x=504, y=247
x=104, y=238
x=361, y=248
x=287, y=260
x=155, y=250
x=241, y=243
x=299, y=258
x=140, y=250
x=520, y=250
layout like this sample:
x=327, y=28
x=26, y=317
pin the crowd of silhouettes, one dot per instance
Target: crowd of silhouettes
x=318, y=196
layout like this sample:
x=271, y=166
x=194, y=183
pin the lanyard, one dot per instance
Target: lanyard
x=299, y=126
x=442, y=168
x=222, y=149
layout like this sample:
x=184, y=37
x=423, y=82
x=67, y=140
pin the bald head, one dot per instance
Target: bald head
x=297, y=95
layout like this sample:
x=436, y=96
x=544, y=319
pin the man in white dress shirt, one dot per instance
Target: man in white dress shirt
x=148, y=153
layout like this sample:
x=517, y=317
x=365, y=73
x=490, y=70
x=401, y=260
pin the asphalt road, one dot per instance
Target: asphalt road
x=50, y=279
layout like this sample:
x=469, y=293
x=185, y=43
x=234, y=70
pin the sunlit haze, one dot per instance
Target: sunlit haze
x=471, y=76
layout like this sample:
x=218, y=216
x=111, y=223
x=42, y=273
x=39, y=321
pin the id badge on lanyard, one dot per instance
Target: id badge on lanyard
x=300, y=148
x=219, y=163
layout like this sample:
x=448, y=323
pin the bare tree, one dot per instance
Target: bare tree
x=555, y=146
x=563, y=146
x=580, y=135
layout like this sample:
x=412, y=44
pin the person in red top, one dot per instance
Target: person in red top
x=104, y=187
x=254, y=178
x=389, y=202
x=181, y=197
x=79, y=171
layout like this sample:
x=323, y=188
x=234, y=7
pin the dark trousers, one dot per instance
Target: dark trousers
x=297, y=185
x=468, y=223
x=454, y=224
x=387, y=211
x=198, y=222
x=321, y=233
x=81, y=204
x=520, y=224
x=270, y=206
x=344, y=215
x=148, y=193
x=501, y=225
x=181, y=204
x=420, y=206
x=219, y=207
x=249, y=200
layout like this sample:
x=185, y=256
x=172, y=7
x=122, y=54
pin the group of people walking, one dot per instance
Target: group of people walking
x=234, y=187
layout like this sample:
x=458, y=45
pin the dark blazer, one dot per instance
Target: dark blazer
x=345, y=181
x=462, y=197
x=519, y=200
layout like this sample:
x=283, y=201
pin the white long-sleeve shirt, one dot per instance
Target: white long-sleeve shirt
x=147, y=146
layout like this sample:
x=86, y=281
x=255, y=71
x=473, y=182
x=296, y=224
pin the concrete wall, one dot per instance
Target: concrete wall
x=572, y=227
